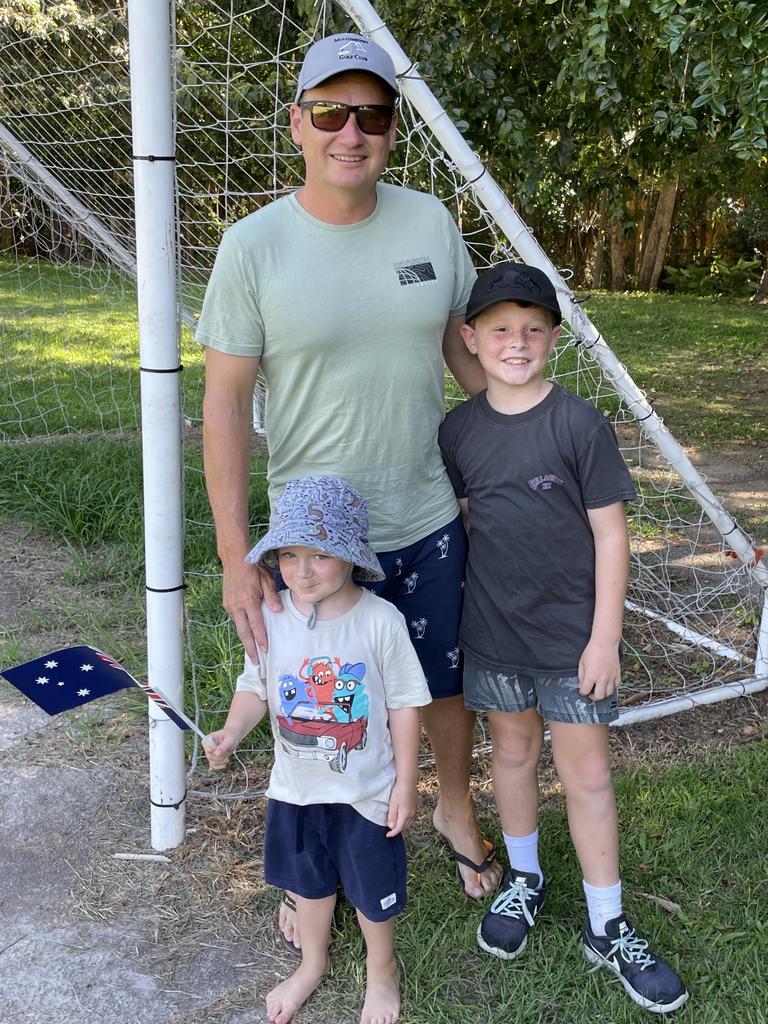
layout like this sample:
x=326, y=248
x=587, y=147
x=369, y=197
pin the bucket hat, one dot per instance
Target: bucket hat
x=325, y=513
x=512, y=282
x=345, y=52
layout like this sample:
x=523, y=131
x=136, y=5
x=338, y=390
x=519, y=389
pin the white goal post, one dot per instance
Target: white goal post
x=697, y=621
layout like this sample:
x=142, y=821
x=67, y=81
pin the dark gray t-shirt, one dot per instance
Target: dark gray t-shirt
x=529, y=595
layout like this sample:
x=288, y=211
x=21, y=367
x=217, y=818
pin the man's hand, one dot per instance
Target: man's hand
x=219, y=747
x=243, y=588
x=599, y=670
x=402, y=808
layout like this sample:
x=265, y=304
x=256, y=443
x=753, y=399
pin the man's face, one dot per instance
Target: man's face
x=347, y=159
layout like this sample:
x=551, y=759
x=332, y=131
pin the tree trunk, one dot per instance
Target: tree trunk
x=618, y=276
x=657, y=237
x=598, y=266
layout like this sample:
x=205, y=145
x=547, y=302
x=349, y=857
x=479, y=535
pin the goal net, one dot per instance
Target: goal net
x=69, y=363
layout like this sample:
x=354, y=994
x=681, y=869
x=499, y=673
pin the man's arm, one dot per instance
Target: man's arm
x=227, y=411
x=463, y=365
x=599, y=669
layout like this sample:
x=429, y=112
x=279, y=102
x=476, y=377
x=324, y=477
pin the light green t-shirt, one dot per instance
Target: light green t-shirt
x=348, y=321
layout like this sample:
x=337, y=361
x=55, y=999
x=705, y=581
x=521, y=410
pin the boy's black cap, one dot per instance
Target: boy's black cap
x=512, y=282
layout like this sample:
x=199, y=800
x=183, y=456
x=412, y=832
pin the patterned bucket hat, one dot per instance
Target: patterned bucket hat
x=325, y=513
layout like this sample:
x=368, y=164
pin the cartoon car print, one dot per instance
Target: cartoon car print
x=323, y=739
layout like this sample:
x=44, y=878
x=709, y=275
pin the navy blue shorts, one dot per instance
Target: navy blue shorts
x=309, y=850
x=425, y=581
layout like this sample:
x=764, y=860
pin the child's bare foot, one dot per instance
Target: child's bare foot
x=291, y=994
x=382, y=996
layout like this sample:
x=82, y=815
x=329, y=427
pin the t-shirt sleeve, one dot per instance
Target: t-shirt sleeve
x=253, y=678
x=464, y=272
x=603, y=472
x=230, y=320
x=404, y=683
x=446, y=439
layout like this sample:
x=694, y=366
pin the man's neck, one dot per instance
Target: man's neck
x=513, y=400
x=337, y=206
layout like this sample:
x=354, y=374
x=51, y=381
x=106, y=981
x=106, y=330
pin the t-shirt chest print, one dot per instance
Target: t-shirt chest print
x=323, y=711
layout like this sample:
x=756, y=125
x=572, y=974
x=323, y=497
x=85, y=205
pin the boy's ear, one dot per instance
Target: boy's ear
x=468, y=334
x=554, y=337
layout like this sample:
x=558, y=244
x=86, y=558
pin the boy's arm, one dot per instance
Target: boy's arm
x=405, y=730
x=599, y=668
x=245, y=712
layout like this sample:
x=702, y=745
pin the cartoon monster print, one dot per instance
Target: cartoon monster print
x=350, y=701
x=295, y=697
x=320, y=677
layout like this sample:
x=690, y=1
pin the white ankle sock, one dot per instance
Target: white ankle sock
x=523, y=852
x=603, y=904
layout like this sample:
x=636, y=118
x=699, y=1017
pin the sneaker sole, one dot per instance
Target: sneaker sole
x=502, y=954
x=647, y=1004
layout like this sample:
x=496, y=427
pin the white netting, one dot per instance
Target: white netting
x=66, y=250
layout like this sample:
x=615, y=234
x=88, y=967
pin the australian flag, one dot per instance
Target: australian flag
x=74, y=676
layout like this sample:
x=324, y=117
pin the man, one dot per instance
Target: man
x=348, y=295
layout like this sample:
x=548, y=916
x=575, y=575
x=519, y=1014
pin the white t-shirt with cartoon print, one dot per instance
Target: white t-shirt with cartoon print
x=328, y=690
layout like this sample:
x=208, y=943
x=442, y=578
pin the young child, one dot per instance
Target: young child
x=542, y=487
x=343, y=685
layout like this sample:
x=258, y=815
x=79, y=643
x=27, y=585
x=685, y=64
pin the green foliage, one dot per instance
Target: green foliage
x=718, y=278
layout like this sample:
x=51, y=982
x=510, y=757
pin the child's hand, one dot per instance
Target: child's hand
x=219, y=747
x=599, y=670
x=402, y=808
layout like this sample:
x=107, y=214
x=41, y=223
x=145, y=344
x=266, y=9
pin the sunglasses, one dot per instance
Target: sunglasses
x=327, y=116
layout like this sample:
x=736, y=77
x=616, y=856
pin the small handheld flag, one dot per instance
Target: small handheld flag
x=74, y=676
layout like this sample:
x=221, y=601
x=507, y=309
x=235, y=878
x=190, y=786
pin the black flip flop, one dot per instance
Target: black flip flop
x=289, y=902
x=479, y=869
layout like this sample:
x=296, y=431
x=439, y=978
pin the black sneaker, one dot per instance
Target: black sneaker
x=648, y=981
x=504, y=930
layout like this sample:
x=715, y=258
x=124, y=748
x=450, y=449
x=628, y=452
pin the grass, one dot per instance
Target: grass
x=692, y=835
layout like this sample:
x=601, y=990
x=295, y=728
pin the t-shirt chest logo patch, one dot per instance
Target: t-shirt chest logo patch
x=418, y=271
x=545, y=482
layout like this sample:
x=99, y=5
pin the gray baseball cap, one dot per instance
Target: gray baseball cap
x=336, y=54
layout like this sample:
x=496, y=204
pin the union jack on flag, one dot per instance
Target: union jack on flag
x=73, y=676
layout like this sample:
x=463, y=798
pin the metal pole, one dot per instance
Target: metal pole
x=149, y=24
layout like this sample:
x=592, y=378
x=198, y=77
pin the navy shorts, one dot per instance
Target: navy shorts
x=425, y=581
x=309, y=850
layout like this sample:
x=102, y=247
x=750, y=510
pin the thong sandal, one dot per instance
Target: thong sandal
x=290, y=903
x=479, y=869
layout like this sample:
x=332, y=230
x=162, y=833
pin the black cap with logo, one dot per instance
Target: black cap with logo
x=512, y=282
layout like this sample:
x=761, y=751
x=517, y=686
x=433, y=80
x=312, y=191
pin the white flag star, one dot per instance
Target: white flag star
x=42, y=680
x=83, y=693
x=51, y=664
x=59, y=684
x=86, y=668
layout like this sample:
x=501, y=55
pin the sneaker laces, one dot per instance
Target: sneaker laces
x=513, y=902
x=631, y=948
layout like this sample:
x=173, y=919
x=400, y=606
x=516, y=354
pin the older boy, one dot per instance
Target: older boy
x=542, y=486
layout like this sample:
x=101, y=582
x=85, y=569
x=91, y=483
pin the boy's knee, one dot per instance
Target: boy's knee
x=517, y=749
x=591, y=776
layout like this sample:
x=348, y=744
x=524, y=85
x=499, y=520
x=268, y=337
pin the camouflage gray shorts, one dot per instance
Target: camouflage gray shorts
x=557, y=699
